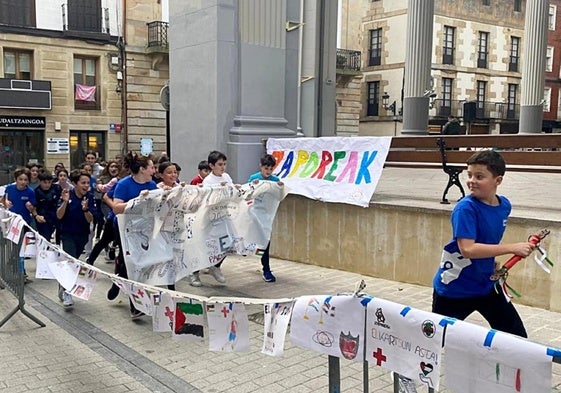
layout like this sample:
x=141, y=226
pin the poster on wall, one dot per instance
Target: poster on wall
x=58, y=146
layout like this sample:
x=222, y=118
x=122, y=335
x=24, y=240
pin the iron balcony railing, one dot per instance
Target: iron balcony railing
x=158, y=34
x=348, y=60
x=484, y=110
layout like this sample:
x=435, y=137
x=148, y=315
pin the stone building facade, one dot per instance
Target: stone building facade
x=76, y=78
x=477, y=59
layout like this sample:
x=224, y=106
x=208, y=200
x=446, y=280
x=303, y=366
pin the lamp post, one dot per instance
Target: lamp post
x=393, y=108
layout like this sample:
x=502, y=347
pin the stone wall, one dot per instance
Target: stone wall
x=146, y=74
x=348, y=104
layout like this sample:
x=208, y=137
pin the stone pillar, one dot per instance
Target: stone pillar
x=535, y=43
x=232, y=67
x=418, y=56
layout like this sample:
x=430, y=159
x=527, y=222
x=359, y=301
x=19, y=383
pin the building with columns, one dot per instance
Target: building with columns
x=476, y=64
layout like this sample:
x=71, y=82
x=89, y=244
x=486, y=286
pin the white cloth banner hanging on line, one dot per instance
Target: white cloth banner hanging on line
x=405, y=340
x=163, y=312
x=332, y=325
x=483, y=360
x=228, y=327
x=189, y=320
x=85, y=283
x=276, y=319
x=168, y=234
x=331, y=169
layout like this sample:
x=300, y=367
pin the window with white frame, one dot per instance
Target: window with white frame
x=547, y=99
x=549, y=59
x=551, y=17
x=18, y=64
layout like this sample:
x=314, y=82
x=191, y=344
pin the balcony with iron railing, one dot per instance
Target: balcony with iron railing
x=348, y=61
x=484, y=110
x=158, y=37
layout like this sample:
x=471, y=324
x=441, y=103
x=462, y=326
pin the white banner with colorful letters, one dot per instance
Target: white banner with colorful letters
x=331, y=169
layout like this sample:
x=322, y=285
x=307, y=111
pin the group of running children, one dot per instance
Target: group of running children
x=462, y=284
x=77, y=206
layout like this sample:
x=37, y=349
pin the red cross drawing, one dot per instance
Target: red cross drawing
x=169, y=313
x=15, y=230
x=379, y=356
x=140, y=292
x=225, y=311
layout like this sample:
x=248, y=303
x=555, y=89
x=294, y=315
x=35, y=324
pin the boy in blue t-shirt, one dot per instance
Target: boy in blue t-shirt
x=267, y=164
x=463, y=282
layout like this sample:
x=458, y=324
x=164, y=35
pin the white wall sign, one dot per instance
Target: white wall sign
x=58, y=146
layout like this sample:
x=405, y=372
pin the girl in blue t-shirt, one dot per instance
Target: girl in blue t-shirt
x=20, y=199
x=130, y=187
x=75, y=212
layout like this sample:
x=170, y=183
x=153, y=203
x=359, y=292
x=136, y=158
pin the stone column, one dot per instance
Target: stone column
x=418, y=55
x=232, y=80
x=535, y=43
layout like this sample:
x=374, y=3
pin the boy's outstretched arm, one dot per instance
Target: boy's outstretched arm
x=470, y=249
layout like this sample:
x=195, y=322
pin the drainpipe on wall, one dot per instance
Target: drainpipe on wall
x=122, y=55
x=300, y=51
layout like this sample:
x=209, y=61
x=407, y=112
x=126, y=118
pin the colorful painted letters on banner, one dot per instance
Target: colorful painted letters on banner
x=331, y=169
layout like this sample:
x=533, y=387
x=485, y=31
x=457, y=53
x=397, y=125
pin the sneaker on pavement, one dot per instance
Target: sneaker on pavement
x=112, y=293
x=60, y=292
x=195, y=280
x=205, y=271
x=111, y=253
x=67, y=300
x=269, y=277
x=136, y=314
x=217, y=274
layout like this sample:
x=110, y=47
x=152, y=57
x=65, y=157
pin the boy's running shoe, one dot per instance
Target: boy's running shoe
x=269, y=277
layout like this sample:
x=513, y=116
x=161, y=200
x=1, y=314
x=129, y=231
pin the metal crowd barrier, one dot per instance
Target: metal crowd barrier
x=12, y=276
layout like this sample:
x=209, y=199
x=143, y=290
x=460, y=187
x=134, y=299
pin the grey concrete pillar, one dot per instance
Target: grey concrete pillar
x=262, y=88
x=230, y=88
x=204, y=69
x=418, y=55
x=535, y=46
